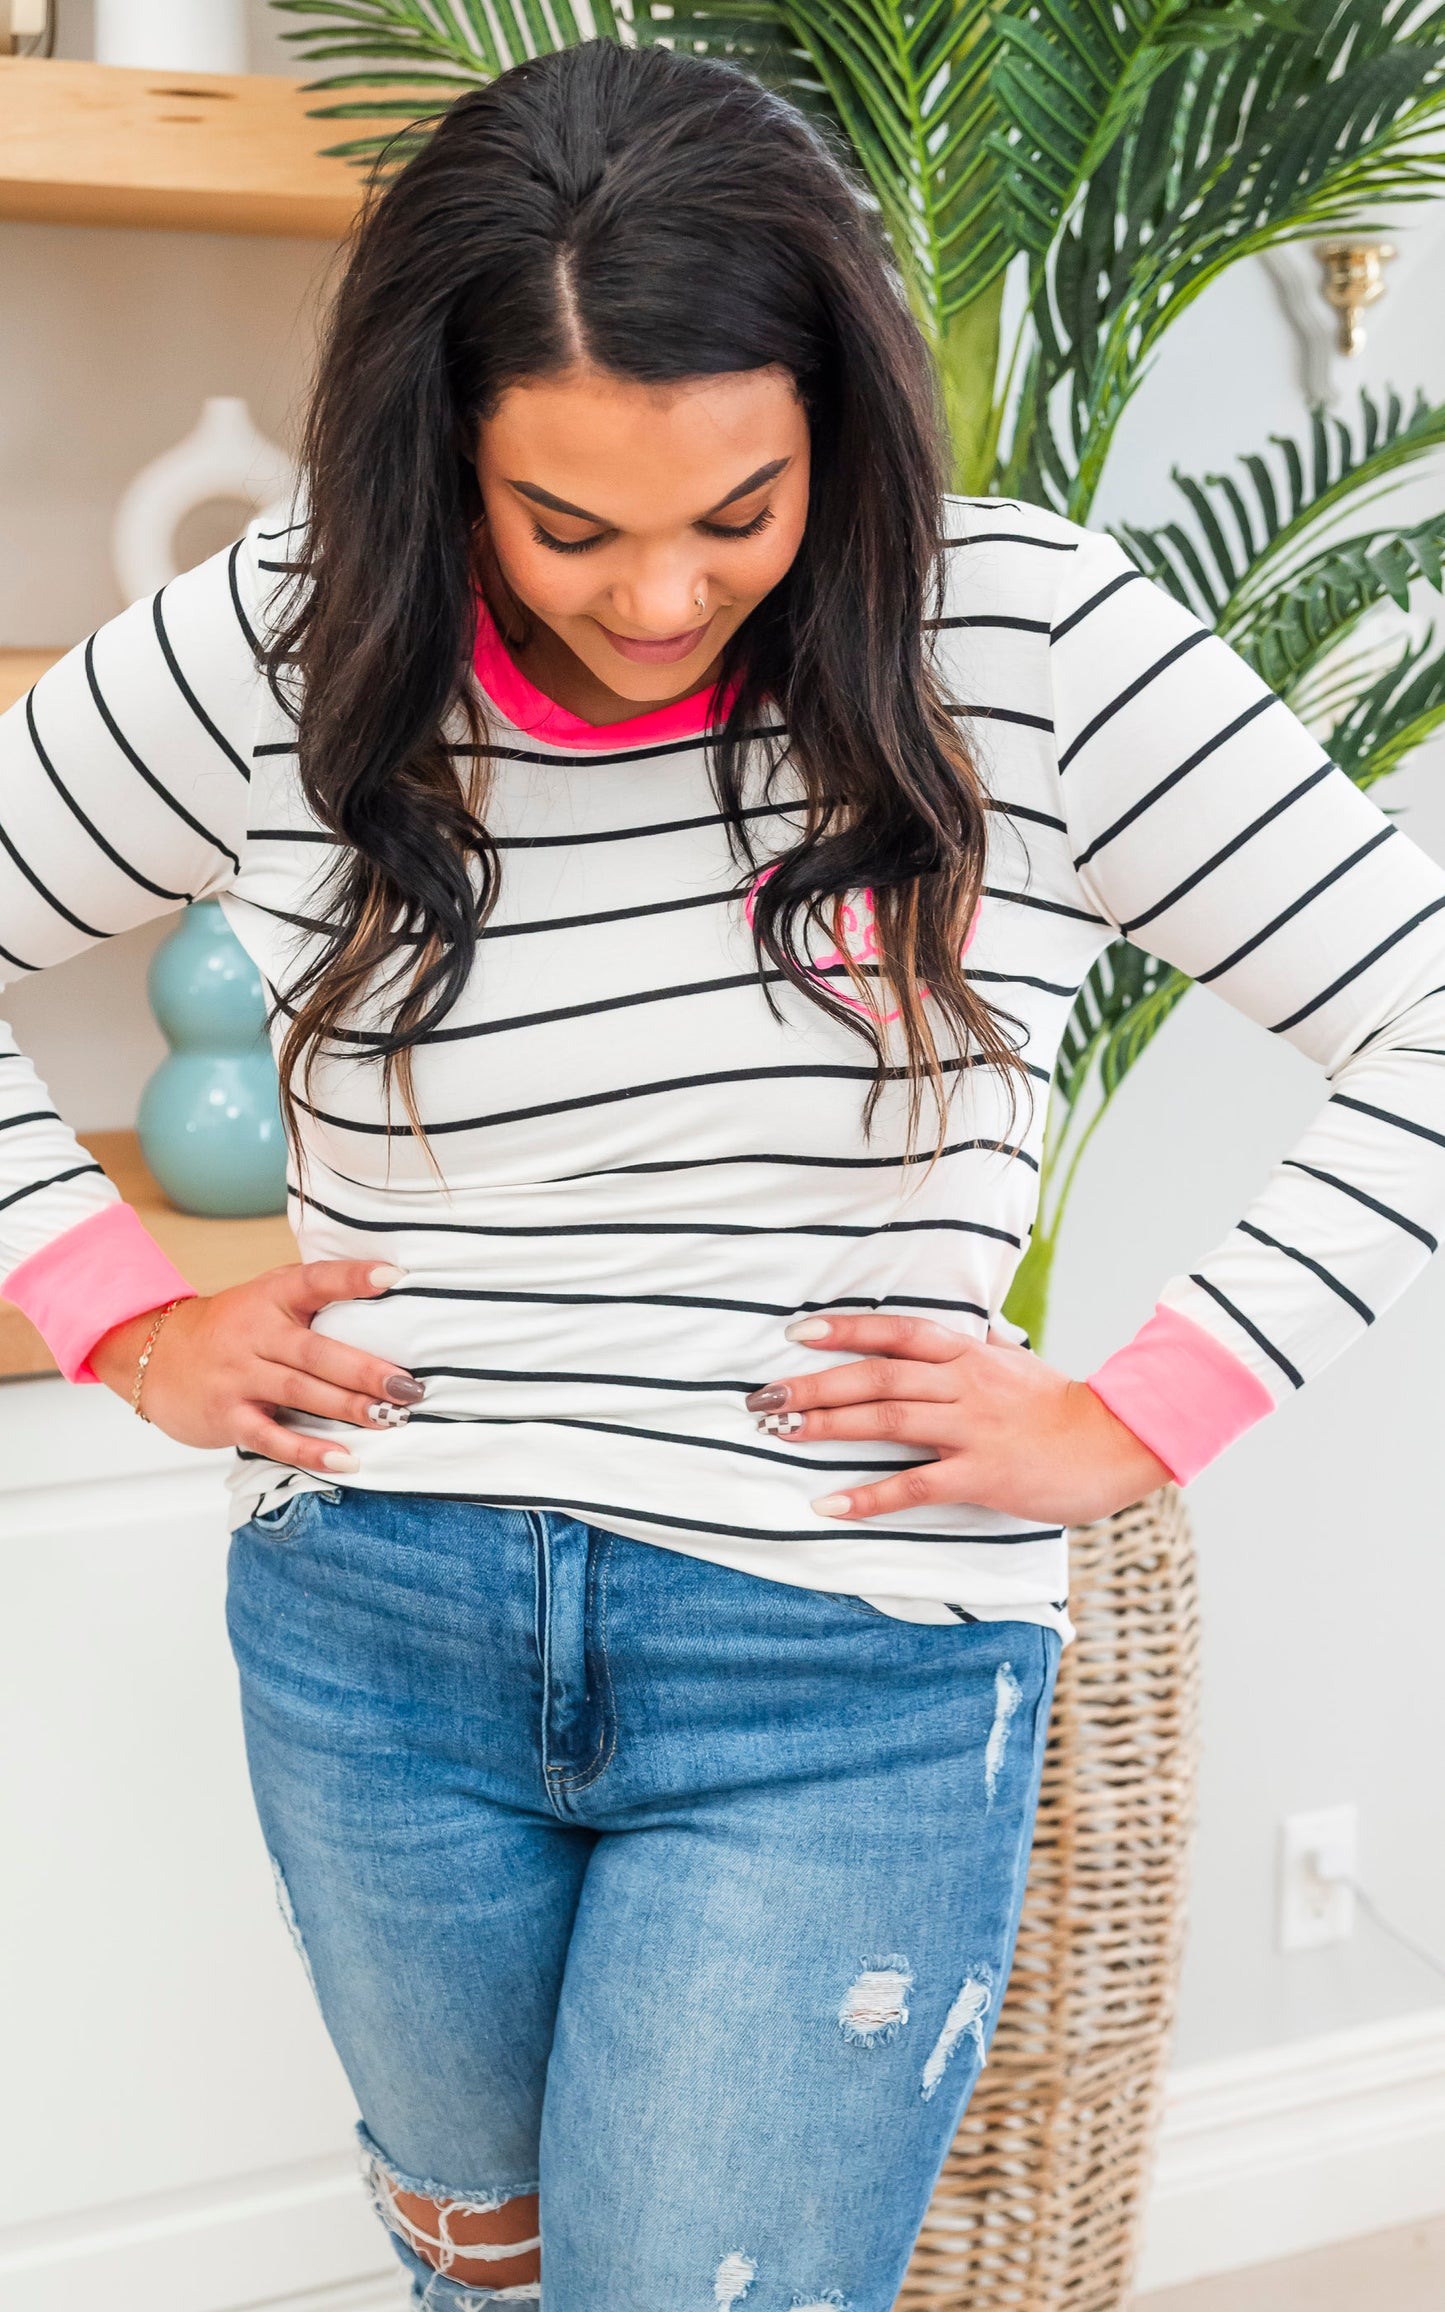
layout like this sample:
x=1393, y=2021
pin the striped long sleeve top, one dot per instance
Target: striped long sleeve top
x=647, y=1168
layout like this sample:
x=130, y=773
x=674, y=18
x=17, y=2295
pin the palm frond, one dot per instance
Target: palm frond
x=440, y=48
x=1252, y=531
x=1279, y=134
x=1330, y=689
x=445, y=47
x=1121, y=1006
x=474, y=38
x=1257, y=560
x=1291, y=635
x=910, y=83
x=1073, y=76
x=1395, y=715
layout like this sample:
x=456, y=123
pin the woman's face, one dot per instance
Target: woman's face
x=613, y=508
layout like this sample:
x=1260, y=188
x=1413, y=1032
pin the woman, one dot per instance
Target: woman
x=675, y=852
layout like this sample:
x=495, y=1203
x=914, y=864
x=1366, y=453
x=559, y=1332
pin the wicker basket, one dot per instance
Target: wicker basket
x=1039, y=2203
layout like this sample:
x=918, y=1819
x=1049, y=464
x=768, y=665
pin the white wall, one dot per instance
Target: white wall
x=1320, y=1531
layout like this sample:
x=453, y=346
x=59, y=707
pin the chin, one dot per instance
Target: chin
x=652, y=685
x=661, y=692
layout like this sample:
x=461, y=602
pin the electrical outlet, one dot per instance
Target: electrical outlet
x=1317, y=1861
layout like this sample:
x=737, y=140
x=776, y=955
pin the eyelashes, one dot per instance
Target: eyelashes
x=541, y=537
x=748, y=530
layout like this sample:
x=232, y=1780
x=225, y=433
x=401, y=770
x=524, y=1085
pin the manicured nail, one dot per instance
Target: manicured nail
x=403, y=1390
x=386, y=1276
x=389, y=1416
x=808, y=1329
x=769, y=1400
x=340, y=1460
x=832, y=1504
x=782, y=1424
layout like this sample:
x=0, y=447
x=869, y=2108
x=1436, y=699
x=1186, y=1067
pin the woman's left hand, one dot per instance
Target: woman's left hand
x=1006, y=1430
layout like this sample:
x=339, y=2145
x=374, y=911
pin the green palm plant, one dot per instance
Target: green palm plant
x=1061, y=179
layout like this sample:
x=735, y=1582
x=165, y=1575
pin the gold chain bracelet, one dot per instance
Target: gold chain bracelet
x=147, y=1352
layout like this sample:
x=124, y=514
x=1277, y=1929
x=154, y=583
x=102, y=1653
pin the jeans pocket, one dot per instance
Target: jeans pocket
x=287, y=1515
x=857, y=1605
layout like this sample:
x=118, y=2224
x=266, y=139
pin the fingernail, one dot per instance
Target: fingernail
x=340, y=1460
x=769, y=1400
x=808, y=1329
x=782, y=1424
x=832, y=1504
x=403, y=1390
x=389, y=1416
x=386, y=1276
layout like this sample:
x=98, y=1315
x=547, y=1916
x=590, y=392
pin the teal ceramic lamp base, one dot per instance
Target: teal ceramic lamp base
x=210, y=1120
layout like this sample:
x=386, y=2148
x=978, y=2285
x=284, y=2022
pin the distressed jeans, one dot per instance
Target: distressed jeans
x=682, y=1896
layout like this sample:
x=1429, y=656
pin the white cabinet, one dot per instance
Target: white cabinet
x=176, y=2131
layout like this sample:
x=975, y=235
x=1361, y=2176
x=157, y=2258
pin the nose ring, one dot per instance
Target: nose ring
x=700, y=599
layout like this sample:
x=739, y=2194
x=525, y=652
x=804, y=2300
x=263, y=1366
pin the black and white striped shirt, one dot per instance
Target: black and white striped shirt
x=647, y=1174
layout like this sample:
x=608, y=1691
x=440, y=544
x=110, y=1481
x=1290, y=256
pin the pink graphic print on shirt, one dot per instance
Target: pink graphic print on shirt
x=859, y=925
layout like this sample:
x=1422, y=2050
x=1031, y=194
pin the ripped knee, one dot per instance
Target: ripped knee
x=488, y=2242
x=492, y=2248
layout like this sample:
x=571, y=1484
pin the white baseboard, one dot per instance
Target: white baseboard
x=1261, y=2156
x=302, y=2239
x=1291, y=2148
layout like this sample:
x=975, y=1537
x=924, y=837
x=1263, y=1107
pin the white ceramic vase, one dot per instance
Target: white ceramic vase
x=224, y=456
x=172, y=35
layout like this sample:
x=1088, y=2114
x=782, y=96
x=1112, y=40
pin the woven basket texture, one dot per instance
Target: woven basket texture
x=1039, y=2203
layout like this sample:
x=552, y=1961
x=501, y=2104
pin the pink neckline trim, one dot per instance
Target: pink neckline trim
x=530, y=709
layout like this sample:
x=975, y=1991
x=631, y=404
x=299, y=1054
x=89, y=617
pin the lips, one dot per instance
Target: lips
x=660, y=650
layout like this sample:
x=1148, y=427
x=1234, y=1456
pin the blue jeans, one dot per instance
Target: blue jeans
x=683, y=1896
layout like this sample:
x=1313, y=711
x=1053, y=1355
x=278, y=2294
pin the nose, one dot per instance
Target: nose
x=660, y=598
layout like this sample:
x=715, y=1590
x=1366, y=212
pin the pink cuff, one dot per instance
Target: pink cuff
x=97, y=1275
x=1180, y=1391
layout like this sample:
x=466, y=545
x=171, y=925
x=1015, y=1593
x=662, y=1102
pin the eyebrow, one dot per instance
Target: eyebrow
x=540, y=497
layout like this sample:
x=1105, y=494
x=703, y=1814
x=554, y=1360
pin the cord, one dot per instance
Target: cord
x=1386, y=1926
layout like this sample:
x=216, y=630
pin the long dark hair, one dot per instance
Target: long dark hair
x=685, y=222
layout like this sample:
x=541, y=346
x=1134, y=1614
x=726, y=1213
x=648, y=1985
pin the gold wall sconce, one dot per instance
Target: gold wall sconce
x=1353, y=278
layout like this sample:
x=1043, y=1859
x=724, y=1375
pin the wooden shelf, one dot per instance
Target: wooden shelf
x=19, y=668
x=197, y=152
x=210, y=1254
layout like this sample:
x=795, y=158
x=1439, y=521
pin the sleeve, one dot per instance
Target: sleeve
x=123, y=779
x=1213, y=830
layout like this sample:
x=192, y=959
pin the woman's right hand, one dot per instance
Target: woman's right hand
x=225, y=1363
